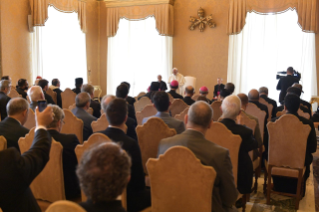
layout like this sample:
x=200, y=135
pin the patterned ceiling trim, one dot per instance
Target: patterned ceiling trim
x=128, y=3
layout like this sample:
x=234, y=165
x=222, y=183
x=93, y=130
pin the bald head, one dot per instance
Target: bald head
x=253, y=95
x=231, y=107
x=189, y=91
x=244, y=100
x=297, y=85
x=35, y=93
x=200, y=114
x=105, y=102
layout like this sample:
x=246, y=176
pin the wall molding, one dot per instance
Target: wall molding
x=128, y=3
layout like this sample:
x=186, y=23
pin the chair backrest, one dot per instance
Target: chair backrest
x=97, y=92
x=149, y=136
x=190, y=81
x=217, y=111
x=243, y=119
x=220, y=135
x=30, y=123
x=253, y=110
x=303, y=114
x=49, y=184
x=139, y=95
x=101, y=124
x=140, y=104
x=279, y=113
x=171, y=98
x=176, y=187
x=68, y=98
x=148, y=110
x=195, y=97
x=3, y=143
x=13, y=93
x=177, y=106
x=72, y=125
x=182, y=114
x=52, y=94
x=81, y=148
x=269, y=106
x=65, y=206
x=287, y=142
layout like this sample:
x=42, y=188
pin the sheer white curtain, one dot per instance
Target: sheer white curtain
x=59, y=49
x=137, y=54
x=268, y=44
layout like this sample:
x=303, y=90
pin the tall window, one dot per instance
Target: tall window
x=137, y=54
x=268, y=44
x=59, y=49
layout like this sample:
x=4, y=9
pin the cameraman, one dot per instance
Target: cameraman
x=286, y=82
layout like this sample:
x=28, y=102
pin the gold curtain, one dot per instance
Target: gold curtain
x=163, y=13
x=307, y=12
x=39, y=10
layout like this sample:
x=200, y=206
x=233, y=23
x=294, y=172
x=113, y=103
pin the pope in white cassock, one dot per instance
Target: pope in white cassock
x=179, y=78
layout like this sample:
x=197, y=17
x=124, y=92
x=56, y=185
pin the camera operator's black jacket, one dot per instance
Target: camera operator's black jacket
x=284, y=83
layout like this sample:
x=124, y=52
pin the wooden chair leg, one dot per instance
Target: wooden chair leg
x=269, y=185
x=298, y=195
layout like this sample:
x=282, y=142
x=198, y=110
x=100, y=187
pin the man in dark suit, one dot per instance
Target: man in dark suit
x=56, y=88
x=231, y=109
x=78, y=85
x=218, y=88
x=69, y=142
x=44, y=84
x=105, y=166
x=4, y=99
x=22, y=87
x=138, y=197
x=82, y=102
x=289, y=185
x=263, y=93
x=189, y=92
x=18, y=171
x=161, y=103
x=12, y=127
x=303, y=103
x=95, y=105
x=129, y=99
x=35, y=94
x=198, y=121
x=162, y=84
x=285, y=82
x=122, y=92
x=174, y=87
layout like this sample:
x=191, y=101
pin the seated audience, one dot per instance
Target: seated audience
x=122, y=92
x=4, y=98
x=138, y=197
x=198, y=121
x=231, y=108
x=18, y=171
x=174, y=87
x=44, y=84
x=105, y=166
x=263, y=93
x=189, y=92
x=22, y=87
x=129, y=99
x=306, y=106
x=230, y=87
x=203, y=91
x=69, y=142
x=161, y=103
x=78, y=85
x=162, y=84
x=218, y=88
x=95, y=105
x=289, y=185
x=12, y=127
x=152, y=90
x=203, y=98
x=35, y=94
x=56, y=88
x=82, y=103
x=223, y=94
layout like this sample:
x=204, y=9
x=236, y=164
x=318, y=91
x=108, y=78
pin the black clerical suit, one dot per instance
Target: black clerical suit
x=131, y=112
x=138, y=197
x=12, y=130
x=48, y=98
x=273, y=103
x=76, y=90
x=96, y=106
x=175, y=95
x=245, y=166
x=162, y=86
x=130, y=100
x=131, y=126
x=58, y=92
x=4, y=99
x=69, y=142
x=18, y=171
x=284, y=83
x=218, y=88
x=22, y=92
x=188, y=100
x=111, y=206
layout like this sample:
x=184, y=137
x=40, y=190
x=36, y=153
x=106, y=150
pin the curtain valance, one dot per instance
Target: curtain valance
x=163, y=13
x=39, y=10
x=307, y=12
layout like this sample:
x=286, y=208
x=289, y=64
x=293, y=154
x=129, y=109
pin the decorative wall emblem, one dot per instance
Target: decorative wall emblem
x=201, y=21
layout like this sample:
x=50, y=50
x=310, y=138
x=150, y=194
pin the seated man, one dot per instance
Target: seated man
x=82, y=103
x=289, y=185
x=4, y=99
x=69, y=142
x=189, y=92
x=231, y=108
x=162, y=84
x=78, y=85
x=223, y=94
x=95, y=105
x=198, y=121
x=56, y=88
x=161, y=103
x=174, y=87
x=230, y=87
x=105, y=166
x=12, y=127
x=44, y=84
x=122, y=92
x=263, y=93
x=152, y=90
x=138, y=197
x=22, y=87
x=35, y=94
x=129, y=99
x=203, y=91
x=18, y=171
x=304, y=105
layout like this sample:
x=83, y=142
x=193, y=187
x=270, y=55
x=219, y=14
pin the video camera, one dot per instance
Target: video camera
x=282, y=74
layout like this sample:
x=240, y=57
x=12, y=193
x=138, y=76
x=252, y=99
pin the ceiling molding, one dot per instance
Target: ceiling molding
x=128, y=3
